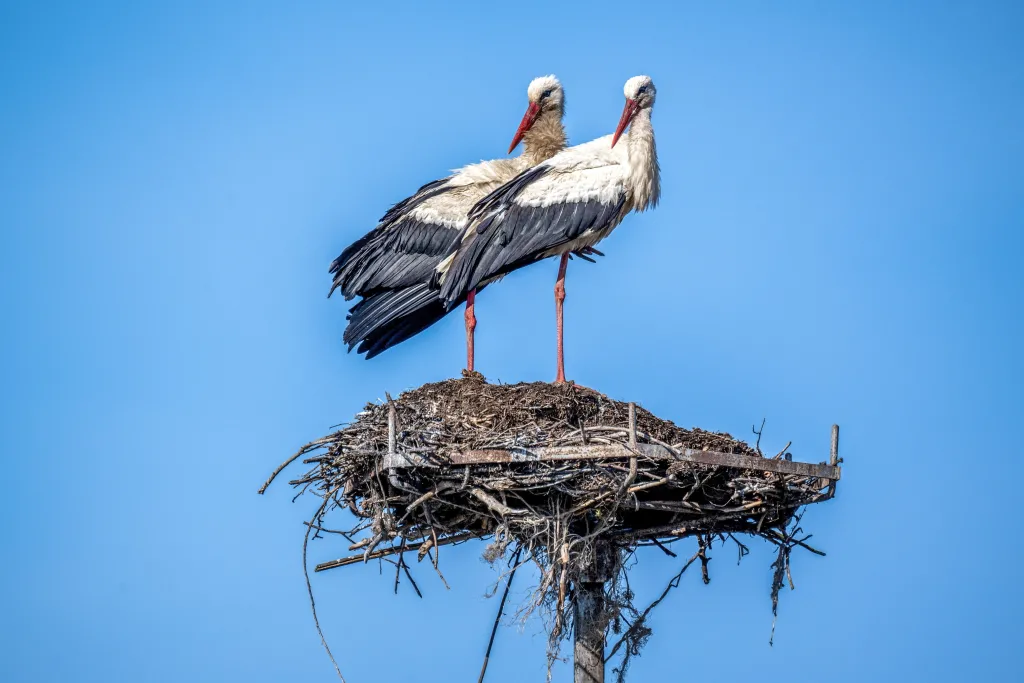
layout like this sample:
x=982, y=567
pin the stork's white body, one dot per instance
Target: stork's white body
x=569, y=202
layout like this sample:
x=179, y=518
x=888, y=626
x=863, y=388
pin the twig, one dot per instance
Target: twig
x=433, y=558
x=494, y=504
x=673, y=583
x=309, y=589
x=704, y=559
x=384, y=552
x=501, y=611
x=783, y=451
x=757, y=445
x=664, y=549
x=302, y=451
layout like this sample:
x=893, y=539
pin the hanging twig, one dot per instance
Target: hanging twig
x=501, y=611
x=309, y=588
x=640, y=622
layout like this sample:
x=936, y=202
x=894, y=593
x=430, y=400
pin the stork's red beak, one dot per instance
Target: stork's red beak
x=627, y=115
x=529, y=118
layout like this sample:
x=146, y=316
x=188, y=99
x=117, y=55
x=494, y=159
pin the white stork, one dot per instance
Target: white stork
x=392, y=266
x=566, y=204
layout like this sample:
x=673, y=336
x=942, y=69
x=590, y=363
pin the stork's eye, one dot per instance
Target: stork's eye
x=546, y=93
x=641, y=90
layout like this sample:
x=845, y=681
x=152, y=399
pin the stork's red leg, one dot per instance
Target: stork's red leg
x=470, y=327
x=559, y=299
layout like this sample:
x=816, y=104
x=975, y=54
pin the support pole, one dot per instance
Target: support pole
x=588, y=655
x=588, y=652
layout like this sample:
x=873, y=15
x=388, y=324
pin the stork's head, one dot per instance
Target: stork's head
x=545, y=96
x=640, y=93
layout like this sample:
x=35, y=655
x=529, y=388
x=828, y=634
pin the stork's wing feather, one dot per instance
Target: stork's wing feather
x=431, y=189
x=504, y=194
x=402, y=249
x=384, y=308
x=404, y=254
x=533, y=216
x=390, y=317
x=417, y=232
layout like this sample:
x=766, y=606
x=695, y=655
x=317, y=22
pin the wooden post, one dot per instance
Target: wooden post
x=392, y=439
x=632, y=426
x=631, y=477
x=391, y=460
x=588, y=655
x=588, y=652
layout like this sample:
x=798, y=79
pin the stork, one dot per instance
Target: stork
x=393, y=265
x=568, y=203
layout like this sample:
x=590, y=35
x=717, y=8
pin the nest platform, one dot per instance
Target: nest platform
x=560, y=476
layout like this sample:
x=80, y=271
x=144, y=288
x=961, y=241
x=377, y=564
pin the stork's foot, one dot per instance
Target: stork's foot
x=473, y=375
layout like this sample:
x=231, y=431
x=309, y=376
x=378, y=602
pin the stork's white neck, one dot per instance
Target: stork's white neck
x=644, y=172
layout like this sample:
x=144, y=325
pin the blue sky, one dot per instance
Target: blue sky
x=838, y=241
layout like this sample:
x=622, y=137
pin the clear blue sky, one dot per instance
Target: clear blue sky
x=839, y=241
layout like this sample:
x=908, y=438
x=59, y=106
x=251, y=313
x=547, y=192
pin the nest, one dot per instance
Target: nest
x=576, y=519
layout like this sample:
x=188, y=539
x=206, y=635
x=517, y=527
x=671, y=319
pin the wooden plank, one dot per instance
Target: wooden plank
x=654, y=451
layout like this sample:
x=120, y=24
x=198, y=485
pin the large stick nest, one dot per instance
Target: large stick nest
x=571, y=518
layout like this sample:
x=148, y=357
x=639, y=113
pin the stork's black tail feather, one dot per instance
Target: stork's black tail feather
x=390, y=317
x=339, y=265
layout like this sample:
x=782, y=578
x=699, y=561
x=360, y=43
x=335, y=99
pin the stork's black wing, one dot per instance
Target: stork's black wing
x=513, y=228
x=402, y=250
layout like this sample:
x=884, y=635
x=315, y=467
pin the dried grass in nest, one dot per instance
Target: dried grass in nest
x=558, y=515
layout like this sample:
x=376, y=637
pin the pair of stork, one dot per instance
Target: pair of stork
x=435, y=250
